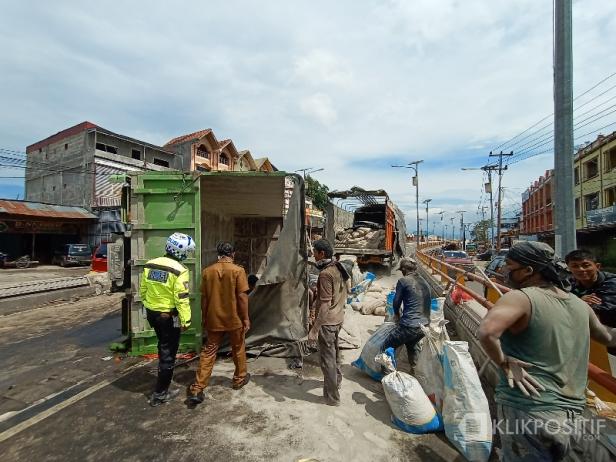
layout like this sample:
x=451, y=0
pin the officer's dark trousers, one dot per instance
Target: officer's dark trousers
x=168, y=343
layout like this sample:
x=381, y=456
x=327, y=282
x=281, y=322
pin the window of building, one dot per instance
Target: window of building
x=136, y=154
x=577, y=207
x=65, y=146
x=223, y=159
x=200, y=168
x=610, y=196
x=610, y=160
x=591, y=202
x=64, y=186
x=203, y=152
x=40, y=150
x=591, y=168
x=106, y=148
x=576, y=175
x=548, y=194
x=162, y=163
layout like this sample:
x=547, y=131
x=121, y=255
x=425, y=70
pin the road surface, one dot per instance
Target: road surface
x=100, y=410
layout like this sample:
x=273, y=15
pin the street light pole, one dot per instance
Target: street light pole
x=453, y=229
x=308, y=171
x=444, y=231
x=564, y=225
x=462, y=212
x=415, y=166
x=427, y=202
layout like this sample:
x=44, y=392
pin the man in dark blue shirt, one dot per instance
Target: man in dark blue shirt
x=413, y=295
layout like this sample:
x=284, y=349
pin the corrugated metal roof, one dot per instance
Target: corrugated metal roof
x=38, y=209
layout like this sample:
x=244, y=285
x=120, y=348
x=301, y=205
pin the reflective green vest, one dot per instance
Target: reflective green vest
x=164, y=287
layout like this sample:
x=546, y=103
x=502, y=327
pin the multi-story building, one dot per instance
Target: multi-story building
x=73, y=168
x=201, y=151
x=537, y=208
x=595, y=184
x=594, y=178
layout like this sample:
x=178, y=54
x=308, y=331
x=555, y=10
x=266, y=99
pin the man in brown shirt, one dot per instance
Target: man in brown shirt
x=328, y=314
x=224, y=305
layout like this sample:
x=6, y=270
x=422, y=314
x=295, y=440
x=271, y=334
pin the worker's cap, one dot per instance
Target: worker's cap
x=409, y=264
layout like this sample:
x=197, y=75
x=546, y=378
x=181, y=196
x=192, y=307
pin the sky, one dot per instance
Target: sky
x=350, y=87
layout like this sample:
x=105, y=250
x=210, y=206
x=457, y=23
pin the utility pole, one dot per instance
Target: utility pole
x=488, y=188
x=427, y=202
x=453, y=229
x=415, y=166
x=500, y=156
x=564, y=229
x=462, y=233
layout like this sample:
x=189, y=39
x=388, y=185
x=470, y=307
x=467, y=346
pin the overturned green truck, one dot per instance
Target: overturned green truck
x=249, y=209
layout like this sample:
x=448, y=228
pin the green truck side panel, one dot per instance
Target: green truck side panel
x=163, y=203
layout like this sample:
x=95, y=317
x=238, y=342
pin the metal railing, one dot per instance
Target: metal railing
x=595, y=373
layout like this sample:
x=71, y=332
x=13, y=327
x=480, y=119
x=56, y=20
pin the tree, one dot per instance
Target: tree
x=480, y=231
x=317, y=192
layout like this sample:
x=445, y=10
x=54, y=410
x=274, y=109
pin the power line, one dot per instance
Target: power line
x=508, y=142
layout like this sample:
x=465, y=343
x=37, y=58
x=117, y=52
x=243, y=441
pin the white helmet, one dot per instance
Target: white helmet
x=180, y=245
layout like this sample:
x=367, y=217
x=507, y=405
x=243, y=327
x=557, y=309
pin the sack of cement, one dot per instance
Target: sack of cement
x=429, y=367
x=380, y=311
x=373, y=347
x=466, y=413
x=371, y=304
x=411, y=409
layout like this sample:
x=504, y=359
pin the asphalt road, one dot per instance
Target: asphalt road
x=63, y=398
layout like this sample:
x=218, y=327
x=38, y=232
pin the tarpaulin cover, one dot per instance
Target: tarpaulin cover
x=279, y=304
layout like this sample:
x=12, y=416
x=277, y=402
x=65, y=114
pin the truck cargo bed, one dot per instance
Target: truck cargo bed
x=351, y=251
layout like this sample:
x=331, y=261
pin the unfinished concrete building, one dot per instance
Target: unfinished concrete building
x=74, y=166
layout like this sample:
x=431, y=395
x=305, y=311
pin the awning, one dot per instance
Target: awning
x=38, y=209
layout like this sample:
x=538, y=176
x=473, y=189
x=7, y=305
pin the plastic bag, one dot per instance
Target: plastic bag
x=373, y=347
x=429, y=367
x=458, y=296
x=437, y=314
x=411, y=409
x=466, y=414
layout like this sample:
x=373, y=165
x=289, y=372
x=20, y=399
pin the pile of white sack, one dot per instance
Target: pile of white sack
x=361, y=238
x=373, y=301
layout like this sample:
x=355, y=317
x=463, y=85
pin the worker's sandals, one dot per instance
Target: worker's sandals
x=237, y=386
x=161, y=398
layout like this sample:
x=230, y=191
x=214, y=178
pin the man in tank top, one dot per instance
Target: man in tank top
x=539, y=335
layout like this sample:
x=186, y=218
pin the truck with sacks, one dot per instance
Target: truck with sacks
x=377, y=235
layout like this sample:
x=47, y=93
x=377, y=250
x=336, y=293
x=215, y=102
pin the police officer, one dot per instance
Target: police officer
x=164, y=294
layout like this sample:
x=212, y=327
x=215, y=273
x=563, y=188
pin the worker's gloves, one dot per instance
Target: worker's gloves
x=515, y=371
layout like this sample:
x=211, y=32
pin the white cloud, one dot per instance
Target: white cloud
x=320, y=107
x=323, y=84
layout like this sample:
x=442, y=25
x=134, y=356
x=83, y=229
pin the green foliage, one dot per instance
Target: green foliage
x=480, y=231
x=317, y=192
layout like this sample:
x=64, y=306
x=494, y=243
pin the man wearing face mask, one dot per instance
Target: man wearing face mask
x=327, y=315
x=541, y=328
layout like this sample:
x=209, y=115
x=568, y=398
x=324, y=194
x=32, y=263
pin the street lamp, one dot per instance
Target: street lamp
x=308, y=171
x=415, y=166
x=427, y=202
